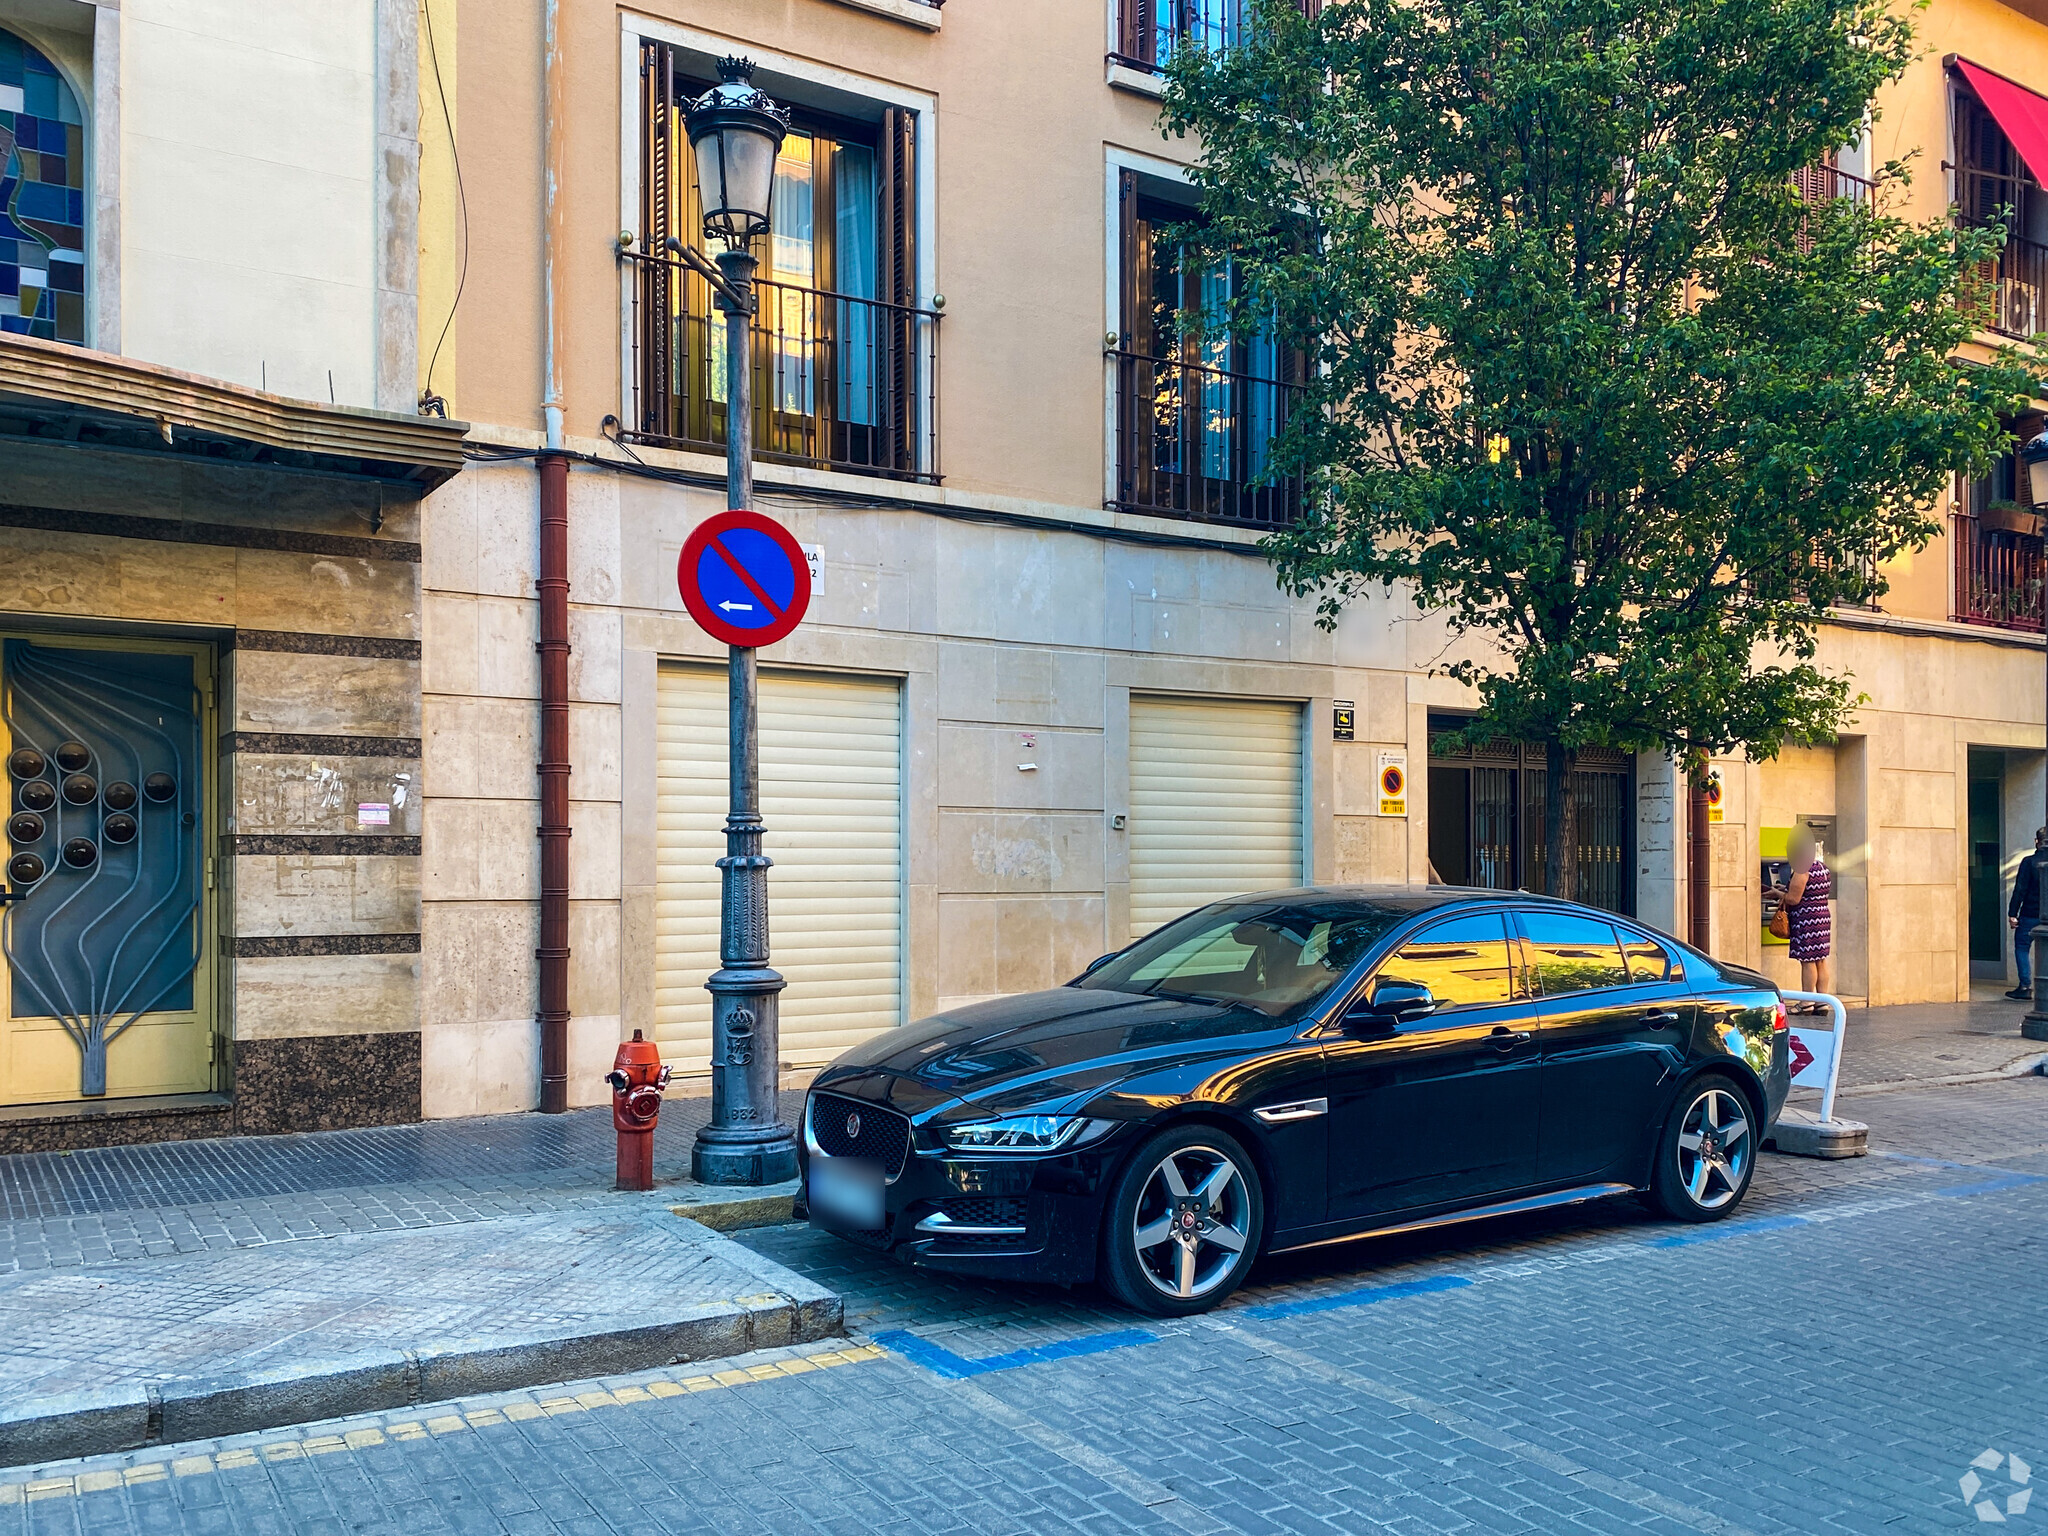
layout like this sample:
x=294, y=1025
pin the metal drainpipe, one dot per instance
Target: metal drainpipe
x=553, y=586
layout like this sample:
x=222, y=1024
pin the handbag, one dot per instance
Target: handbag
x=1781, y=922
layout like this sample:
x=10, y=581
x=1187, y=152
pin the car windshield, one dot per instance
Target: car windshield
x=1278, y=960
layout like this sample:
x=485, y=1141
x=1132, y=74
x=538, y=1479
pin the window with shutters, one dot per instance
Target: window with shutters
x=1486, y=818
x=1149, y=32
x=1995, y=185
x=1199, y=407
x=844, y=359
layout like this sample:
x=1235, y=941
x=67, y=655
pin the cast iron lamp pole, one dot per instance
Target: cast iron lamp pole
x=2033, y=463
x=735, y=132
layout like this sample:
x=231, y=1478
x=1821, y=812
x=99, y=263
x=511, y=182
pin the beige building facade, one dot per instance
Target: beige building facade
x=210, y=597
x=1047, y=694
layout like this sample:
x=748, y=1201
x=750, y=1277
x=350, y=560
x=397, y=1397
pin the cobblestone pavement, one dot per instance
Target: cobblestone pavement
x=1832, y=1360
x=1917, y=1041
x=67, y=1208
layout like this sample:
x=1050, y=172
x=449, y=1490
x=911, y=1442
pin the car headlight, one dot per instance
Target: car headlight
x=1016, y=1133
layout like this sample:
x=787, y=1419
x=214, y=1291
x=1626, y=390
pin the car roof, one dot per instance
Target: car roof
x=1410, y=898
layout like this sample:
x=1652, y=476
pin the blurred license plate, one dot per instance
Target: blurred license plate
x=847, y=1192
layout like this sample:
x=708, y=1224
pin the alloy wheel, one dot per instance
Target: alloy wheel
x=1192, y=1223
x=1714, y=1148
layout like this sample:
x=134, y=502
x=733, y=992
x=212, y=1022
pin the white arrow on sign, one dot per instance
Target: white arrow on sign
x=728, y=606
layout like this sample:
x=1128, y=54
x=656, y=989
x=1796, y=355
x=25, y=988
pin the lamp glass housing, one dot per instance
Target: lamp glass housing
x=735, y=134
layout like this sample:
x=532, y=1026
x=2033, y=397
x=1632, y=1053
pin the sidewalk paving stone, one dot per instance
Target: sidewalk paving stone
x=104, y=1355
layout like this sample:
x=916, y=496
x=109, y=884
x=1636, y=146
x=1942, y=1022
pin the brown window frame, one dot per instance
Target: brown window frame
x=809, y=343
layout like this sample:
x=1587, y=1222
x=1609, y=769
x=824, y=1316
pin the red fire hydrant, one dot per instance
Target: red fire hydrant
x=637, y=1078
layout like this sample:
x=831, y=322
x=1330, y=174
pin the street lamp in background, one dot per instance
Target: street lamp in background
x=2033, y=464
x=735, y=132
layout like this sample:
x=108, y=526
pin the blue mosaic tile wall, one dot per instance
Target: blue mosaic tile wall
x=42, y=198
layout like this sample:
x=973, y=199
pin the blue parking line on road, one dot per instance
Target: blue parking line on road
x=1363, y=1297
x=1722, y=1229
x=941, y=1361
x=1992, y=1186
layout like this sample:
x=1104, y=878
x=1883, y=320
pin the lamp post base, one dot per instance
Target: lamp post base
x=722, y=1162
x=2035, y=1025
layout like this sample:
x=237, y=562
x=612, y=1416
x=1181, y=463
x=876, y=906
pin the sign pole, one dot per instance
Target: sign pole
x=744, y=1141
x=2035, y=1025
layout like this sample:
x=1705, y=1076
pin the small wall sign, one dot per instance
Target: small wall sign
x=373, y=815
x=1344, y=721
x=1716, y=811
x=1393, y=784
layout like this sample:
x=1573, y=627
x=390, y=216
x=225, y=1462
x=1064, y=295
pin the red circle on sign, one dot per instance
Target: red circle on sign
x=709, y=539
x=1393, y=781
x=1713, y=791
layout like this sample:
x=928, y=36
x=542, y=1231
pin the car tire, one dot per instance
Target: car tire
x=1707, y=1153
x=1183, y=1222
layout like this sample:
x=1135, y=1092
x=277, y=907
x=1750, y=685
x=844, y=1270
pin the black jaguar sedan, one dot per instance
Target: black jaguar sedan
x=1298, y=1068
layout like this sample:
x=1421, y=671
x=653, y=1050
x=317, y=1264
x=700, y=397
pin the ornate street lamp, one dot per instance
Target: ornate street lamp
x=735, y=133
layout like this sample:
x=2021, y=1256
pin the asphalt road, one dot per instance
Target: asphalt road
x=1836, y=1358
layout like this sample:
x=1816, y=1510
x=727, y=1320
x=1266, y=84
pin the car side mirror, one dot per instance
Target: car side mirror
x=1392, y=1002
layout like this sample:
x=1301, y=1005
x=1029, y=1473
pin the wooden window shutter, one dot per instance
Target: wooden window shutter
x=658, y=281
x=1129, y=257
x=897, y=175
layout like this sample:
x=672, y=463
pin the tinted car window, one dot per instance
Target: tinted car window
x=1648, y=960
x=1275, y=959
x=1464, y=962
x=1573, y=953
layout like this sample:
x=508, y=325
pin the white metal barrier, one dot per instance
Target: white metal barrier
x=1823, y=1049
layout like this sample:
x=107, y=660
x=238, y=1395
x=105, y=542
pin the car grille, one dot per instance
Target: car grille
x=982, y=1211
x=985, y=1211
x=884, y=1135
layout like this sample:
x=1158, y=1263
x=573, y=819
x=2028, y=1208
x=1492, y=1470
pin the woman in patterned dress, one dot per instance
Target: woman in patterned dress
x=1812, y=923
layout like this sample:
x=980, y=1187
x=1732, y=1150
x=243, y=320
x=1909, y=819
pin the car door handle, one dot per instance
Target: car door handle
x=1505, y=1039
x=1661, y=1016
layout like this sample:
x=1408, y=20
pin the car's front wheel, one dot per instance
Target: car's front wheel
x=1182, y=1224
x=1707, y=1153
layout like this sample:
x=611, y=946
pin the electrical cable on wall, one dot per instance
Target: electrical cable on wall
x=432, y=404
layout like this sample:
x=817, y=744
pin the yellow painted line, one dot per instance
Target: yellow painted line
x=446, y=1424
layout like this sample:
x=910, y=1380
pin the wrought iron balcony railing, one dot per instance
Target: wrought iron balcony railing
x=1149, y=31
x=1196, y=442
x=2017, y=303
x=1998, y=569
x=840, y=381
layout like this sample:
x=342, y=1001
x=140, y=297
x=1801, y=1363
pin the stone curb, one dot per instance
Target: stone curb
x=732, y=1209
x=131, y=1415
x=2024, y=1066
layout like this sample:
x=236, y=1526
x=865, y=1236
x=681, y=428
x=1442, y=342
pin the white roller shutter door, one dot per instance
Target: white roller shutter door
x=1215, y=803
x=831, y=788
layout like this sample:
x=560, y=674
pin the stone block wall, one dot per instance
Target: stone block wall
x=308, y=588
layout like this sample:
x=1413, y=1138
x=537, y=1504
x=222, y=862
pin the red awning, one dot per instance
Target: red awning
x=2022, y=113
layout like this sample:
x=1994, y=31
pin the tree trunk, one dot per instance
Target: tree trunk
x=1560, y=823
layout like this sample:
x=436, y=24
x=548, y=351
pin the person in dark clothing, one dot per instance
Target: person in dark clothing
x=2023, y=912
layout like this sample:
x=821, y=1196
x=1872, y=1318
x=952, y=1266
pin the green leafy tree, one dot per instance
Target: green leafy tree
x=1587, y=375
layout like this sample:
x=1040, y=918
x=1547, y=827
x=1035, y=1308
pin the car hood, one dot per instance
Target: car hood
x=1041, y=1050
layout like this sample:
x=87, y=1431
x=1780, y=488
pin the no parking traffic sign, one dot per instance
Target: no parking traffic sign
x=744, y=579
